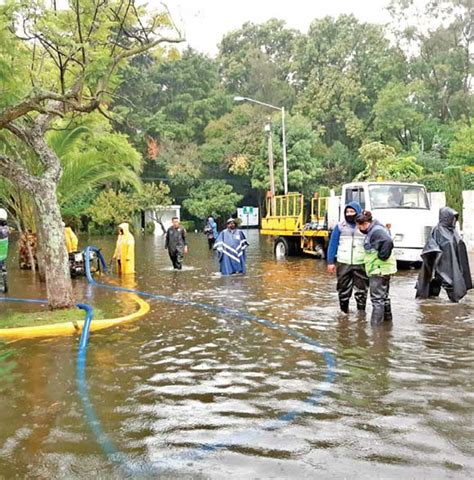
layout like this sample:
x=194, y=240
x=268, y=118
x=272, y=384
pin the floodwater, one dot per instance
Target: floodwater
x=182, y=378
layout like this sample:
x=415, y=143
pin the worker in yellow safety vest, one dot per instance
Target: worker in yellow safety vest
x=125, y=250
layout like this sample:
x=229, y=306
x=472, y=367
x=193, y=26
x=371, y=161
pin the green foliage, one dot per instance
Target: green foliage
x=91, y=157
x=212, y=197
x=172, y=101
x=469, y=180
x=340, y=165
x=150, y=228
x=444, y=62
x=462, y=148
x=404, y=169
x=256, y=61
x=378, y=158
x=434, y=183
x=152, y=195
x=454, y=182
x=324, y=191
x=383, y=164
x=432, y=161
x=396, y=116
x=111, y=208
x=341, y=65
x=188, y=225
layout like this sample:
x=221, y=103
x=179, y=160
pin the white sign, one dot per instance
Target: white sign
x=248, y=216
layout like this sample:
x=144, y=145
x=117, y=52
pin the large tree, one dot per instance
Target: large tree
x=256, y=61
x=170, y=100
x=440, y=36
x=341, y=66
x=60, y=63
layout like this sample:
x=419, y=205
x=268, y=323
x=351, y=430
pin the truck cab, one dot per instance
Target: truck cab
x=404, y=207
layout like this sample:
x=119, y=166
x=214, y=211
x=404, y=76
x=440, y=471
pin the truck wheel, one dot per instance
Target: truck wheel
x=281, y=248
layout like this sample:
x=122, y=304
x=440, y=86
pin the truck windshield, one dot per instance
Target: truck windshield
x=398, y=196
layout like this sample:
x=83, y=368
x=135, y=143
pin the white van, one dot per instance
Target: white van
x=404, y=207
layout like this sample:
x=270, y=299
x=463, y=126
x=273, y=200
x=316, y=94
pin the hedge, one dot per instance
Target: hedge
x=437, y=182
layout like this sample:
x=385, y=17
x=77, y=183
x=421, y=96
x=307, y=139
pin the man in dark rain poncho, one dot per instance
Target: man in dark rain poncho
x=445, y=261
x=231, y=245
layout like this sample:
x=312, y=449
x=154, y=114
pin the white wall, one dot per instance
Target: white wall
x=167, y=213
x=438, y=200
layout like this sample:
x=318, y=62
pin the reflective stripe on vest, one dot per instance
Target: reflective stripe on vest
x=351, y=245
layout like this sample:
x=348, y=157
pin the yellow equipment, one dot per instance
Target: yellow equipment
x=294, y=233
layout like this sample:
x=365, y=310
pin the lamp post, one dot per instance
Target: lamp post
x=282, y=110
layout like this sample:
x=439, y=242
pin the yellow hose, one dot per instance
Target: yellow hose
x=67, y=328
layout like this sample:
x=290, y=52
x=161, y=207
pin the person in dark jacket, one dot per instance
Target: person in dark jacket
x=445, y=261
x=175, y=243
x=347, y=246
x=380, y=264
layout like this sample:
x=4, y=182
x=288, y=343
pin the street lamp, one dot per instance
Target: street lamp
x=282, y=110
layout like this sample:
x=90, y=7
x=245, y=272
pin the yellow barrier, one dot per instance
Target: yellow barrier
x=67, y=328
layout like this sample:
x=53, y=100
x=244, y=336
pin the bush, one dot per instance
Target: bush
x=324, y=191
x=189, y=225
x=437, y=181
x=433, y=183
x=469, y=181
x=454, y=188
x=150, y=227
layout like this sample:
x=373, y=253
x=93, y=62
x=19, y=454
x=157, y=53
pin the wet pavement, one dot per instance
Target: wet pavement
x=401, y=404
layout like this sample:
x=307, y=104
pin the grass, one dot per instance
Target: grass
x=46, y=317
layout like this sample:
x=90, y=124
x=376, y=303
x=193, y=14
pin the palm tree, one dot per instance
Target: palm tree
x=91, y=157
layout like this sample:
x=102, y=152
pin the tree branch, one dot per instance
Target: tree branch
x=32, y=104
x=18, y=174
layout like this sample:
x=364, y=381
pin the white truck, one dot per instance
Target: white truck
x=404, y=207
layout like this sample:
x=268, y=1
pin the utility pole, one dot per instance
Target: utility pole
x=283, y=133
x=268, y=129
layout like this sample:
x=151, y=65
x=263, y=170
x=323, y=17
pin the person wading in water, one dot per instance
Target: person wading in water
x=175, y=243
x=347, y=246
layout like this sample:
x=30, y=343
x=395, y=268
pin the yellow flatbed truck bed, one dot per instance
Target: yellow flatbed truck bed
x=285, y=220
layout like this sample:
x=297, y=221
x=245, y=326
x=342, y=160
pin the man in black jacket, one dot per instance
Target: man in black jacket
x=176, y=244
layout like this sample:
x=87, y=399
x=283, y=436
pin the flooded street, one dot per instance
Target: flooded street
x=400, y=406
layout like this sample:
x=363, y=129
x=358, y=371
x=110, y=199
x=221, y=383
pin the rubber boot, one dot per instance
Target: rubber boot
x=387, y=314
x=344, y=306
x=377, y=315
x=361, y=307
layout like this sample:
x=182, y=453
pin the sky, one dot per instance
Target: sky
x=204, y=22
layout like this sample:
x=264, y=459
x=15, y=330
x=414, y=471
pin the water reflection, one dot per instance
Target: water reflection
x=180, y=378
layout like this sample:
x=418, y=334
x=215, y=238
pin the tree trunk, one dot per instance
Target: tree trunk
x=39, y=253
x=53, y=247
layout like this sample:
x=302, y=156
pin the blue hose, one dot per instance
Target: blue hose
x=313, y=398
x=105, y=443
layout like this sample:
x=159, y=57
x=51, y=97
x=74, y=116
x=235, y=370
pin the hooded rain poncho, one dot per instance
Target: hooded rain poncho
x=125, y=250
x=445, y=261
